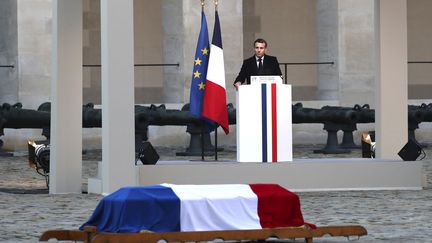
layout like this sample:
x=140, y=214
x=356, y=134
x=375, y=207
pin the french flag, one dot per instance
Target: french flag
x=214, y=103
x=174, y=208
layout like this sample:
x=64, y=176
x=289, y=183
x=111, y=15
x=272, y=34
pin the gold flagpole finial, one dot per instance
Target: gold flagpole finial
x=202, y=4
x=216, y=2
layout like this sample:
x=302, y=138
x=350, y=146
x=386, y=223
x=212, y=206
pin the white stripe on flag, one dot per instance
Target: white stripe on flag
x=216, y=70
x=212, y=207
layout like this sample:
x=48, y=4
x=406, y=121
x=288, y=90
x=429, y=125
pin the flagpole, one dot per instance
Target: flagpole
x=216, y=144
x=214, y=101
x=202, y=140
x=200, y=111
x=202, y=123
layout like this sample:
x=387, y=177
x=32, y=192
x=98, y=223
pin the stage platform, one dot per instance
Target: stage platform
x=299, y=175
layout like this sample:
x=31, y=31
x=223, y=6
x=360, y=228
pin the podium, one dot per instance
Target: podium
x=264, y=121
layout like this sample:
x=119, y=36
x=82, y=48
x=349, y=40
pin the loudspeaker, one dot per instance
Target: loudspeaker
x=411, y=151
x=147, y=154
x=39, y=156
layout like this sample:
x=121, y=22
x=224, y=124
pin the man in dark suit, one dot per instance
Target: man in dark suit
x=258, y=65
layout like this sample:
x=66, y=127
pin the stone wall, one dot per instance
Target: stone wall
x=8, y=52
x=419, y=49
x=290, y=30
x=91, y=51
x=34, y=51
x=148, y=41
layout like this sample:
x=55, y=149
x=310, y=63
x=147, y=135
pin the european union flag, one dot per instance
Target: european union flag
x=200, y=69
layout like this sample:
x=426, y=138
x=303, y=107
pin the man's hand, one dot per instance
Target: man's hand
x=237, y=84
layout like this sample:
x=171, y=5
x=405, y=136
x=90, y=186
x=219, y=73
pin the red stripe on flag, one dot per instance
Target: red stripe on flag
x=277, y=207
x=274, y=123
x=214, y=107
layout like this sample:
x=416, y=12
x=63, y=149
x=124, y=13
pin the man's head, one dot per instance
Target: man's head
x=260, y=46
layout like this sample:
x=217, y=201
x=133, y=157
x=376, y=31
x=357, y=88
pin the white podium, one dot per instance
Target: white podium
x=264, y=121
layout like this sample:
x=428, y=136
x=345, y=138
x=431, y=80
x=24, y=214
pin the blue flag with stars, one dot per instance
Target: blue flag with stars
x=200, y=69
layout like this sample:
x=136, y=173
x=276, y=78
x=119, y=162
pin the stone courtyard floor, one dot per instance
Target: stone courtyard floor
x=27, y=210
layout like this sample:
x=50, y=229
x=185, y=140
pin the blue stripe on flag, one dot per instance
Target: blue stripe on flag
x=264, y=121
x=217, y=37
x=132, y=209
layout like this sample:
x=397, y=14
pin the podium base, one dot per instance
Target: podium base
x=332, y=151
x=186, y=153
x=335, y=174
x=5, y=154
x=350, y=146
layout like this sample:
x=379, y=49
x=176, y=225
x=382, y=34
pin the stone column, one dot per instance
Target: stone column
x=34, y=51
x=173, y=50
x=391, y=77
x=66, y=97
x=118, y=120
x=345, y=35
x=328, y=49
x=8, y=52
x=356, y=52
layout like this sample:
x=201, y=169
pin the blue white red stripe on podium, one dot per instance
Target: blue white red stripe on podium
x=170, y=208
x=269, y=122
x=264, y=129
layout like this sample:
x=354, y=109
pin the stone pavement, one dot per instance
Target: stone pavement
x=26, y=210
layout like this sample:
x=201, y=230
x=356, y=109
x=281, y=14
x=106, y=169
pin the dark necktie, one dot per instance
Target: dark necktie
x=260, y=65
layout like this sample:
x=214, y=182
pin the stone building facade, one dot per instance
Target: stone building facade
x=339, y=31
